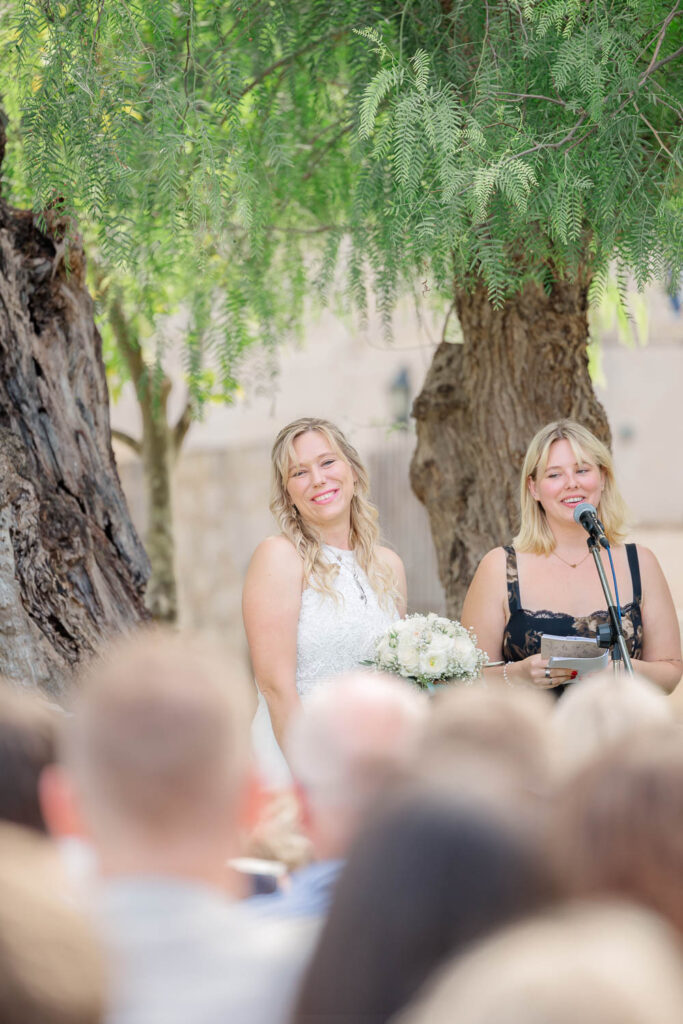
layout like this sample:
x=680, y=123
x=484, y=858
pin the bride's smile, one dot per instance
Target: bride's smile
x=320, y=481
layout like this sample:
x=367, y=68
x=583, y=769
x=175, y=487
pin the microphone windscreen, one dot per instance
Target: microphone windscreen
x=582, y=508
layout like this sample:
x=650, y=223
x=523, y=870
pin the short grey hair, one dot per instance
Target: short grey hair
x=353, y=735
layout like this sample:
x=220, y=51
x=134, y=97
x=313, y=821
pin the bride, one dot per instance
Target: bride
x=316, y=596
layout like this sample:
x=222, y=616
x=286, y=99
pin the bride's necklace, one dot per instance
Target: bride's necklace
x=572, y=565
x=351, y=566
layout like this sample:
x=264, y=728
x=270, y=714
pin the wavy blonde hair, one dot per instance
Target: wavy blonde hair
x=364, y=534
x=535, y=534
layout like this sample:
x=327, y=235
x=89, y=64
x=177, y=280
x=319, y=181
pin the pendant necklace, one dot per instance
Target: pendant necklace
x=356, y=579
x=572, y=565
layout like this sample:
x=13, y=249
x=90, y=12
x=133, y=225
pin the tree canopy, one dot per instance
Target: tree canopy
x=502, y=141
x=244, y=159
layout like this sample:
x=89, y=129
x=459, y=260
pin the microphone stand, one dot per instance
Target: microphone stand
x=616, y=639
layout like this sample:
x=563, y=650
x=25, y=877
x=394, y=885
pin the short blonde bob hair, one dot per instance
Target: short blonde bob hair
x=364, y=534
x=535, y=534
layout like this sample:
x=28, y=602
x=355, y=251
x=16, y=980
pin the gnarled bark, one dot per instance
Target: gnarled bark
x=72, y=570
x=518, y=368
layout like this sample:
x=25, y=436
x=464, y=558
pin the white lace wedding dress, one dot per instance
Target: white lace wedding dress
x=332, y=637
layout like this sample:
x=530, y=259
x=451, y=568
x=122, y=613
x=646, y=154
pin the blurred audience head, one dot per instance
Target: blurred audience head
x=51, y=971
x=618, y=823
x=611, y=964
x=427, y=876
x=27, y=747
x=492, y=743
x=157, y=748
x=602, y=709
x=348, y=742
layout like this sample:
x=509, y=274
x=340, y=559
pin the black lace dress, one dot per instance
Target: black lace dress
x=524, y=628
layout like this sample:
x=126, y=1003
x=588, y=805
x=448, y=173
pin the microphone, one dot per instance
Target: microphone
x=586, y=515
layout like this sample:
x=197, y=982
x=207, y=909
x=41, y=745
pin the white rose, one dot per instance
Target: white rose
x=465, y=653
x=385, y=653
x=408, y=627
x=408, y=656
x=434, y=661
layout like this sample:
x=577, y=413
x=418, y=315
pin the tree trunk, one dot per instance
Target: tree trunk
x=72, y=570
x=518, y=368
x=158, y=459
x=159, y=450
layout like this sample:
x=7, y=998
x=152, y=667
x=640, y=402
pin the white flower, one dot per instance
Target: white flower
x=407, y=652
x=434, y=660
x=410, y=627
x=465, y=653
x=385, y=653
x=429, y=648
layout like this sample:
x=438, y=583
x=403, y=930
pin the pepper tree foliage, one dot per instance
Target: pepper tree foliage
x=450, y=141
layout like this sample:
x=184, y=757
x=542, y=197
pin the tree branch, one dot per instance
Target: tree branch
x=324, y=149
x=660, y=39
x=555, y=145
x=656, y=135
x=124, y=438
x=532, y=96
x=290, y=58
x=660, y=64
x=124, y=339
x=181, y=428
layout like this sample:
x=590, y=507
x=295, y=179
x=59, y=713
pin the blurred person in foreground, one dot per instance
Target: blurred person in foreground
x=156, y=753
x=492, y=743
x=602, y=710
x=28, y=752
x=346, y=746
x=51, y=968
x=617, y=827
x=426, y=877
x=611, y=964
x=28, y=744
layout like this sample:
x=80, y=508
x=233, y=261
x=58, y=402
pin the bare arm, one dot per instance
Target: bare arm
x=391, y=559
x=484, y=609
x=661, y=661
x=271, y=601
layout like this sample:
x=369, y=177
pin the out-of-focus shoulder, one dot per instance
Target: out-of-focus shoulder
x=647, y=560
x=493, y=561
x=390, y=557
x=277, y=552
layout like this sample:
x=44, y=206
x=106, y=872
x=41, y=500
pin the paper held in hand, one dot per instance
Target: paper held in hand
x=579, y=654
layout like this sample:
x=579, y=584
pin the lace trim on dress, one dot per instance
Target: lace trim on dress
x=524, y=628
x=337, y=636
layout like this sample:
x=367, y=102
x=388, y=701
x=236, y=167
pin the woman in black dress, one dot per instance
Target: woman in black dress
x=545, y=582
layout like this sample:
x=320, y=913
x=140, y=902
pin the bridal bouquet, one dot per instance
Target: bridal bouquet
x=429, y=649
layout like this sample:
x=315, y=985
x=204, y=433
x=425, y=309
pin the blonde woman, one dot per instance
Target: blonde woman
x=316, y=596
x=546, y=581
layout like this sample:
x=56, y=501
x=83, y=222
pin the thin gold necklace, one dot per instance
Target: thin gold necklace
x=572, y=565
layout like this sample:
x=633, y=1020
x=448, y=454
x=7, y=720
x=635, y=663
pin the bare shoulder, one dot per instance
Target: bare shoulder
x=648, y=562
x=646, y=557
x=276, y=556
x=390, y=558
x=492, y=565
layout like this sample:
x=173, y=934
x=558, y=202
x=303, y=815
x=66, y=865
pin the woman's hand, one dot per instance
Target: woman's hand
x=535, y=671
